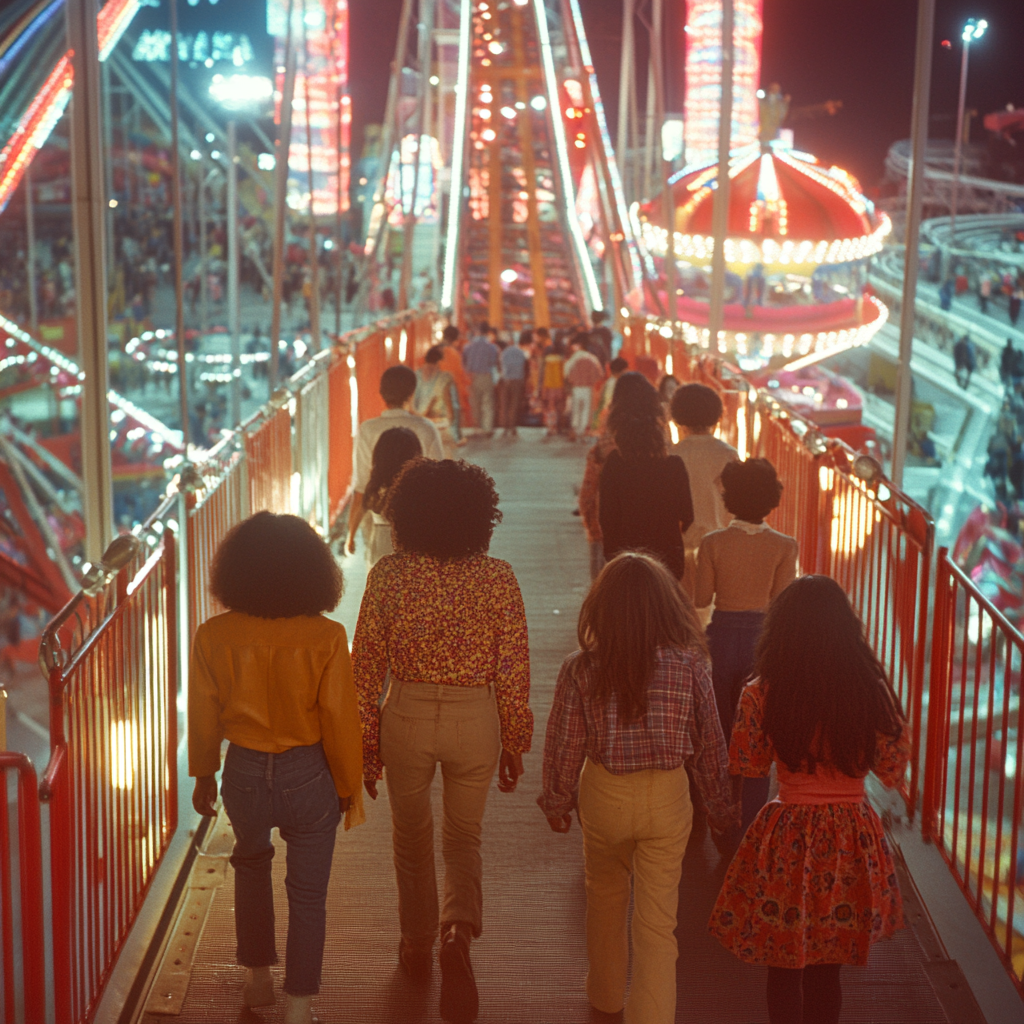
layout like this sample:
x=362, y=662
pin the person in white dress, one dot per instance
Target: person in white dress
x=395, y=447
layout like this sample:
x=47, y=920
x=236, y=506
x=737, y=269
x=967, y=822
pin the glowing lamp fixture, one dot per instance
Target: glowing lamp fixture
x=538, y=103
x=236, y=92
x=509, y=276
x=974, y=29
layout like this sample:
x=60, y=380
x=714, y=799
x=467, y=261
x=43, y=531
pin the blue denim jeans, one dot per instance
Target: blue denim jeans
x=295, y=793
x=732, y=640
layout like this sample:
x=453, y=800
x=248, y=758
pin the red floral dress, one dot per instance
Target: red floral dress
x=813, y=882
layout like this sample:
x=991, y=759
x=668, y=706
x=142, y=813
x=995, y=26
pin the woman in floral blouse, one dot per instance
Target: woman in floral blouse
x=813, y=883
x=447, y=622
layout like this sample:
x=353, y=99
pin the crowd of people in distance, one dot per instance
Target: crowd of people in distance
x=704, y=667
x=538, y=378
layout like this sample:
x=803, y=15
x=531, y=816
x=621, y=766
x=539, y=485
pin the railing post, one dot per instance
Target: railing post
x=30, y=868
x=938, y=698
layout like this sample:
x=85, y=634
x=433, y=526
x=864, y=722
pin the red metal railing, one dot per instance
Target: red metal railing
x=112, y=780
x=973, y=796
x=29, y=1005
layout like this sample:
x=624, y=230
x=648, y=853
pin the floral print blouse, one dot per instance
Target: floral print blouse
x=457, y=622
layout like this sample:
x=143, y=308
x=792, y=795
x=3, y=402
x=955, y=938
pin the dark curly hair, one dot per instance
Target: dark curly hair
x=397, y=386
x=751, y=489
x=635, y=418
x=827, y=697
x=696, y=406
x=445, y=509
x=275, y=567
x=394, y=448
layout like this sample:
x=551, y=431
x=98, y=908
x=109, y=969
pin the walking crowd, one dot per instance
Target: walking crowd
x=705, y=666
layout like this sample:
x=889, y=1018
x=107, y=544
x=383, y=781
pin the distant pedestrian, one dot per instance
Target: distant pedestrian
x=644, y=493
x=397, y=388
x=394, y=448
x=1016, y=298
x=984, y=292
x=742, y=568
x=599, y=342
x=480, y=359
x=617, y=367
x=696, y=409
x=946, y=295
x=583, y=372
x=1007, y=362
x=552, y=385
x=964, y=360
x=515, y=365
x=433, y=395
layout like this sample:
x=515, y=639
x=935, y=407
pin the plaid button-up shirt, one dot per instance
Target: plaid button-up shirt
x=680, y=727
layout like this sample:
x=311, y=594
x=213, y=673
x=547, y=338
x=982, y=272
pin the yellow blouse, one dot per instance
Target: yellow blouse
x=274, y=684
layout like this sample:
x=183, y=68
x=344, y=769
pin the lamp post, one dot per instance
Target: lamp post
x=974, y=29
x=233, y=312
x=236, y=93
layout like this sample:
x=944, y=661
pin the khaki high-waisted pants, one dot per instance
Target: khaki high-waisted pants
x=636, y=824
x=423, y=725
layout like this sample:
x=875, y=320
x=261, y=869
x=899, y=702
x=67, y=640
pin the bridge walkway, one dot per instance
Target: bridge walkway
x=531, y=960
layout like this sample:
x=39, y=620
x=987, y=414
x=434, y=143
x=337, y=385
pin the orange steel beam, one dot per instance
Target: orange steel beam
x=495, y=310
x=541, y=315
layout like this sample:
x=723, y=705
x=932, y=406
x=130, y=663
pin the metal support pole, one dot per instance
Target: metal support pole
x=915, y=193
x=179, y=258
x=88, y=208
x=204, y=273
x=720, y=209
x=426, y=47
x=236, y=350
x=958, y=145
x=625, y=85
x=30, y=255
x=108, y=165
x=314, y=257
x=284, y=140
x=664, y=167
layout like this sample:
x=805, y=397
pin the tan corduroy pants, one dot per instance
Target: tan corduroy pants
x=422, y=726
x=633, y=825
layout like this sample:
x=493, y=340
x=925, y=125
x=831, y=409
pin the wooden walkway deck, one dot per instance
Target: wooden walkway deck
x=531, y=961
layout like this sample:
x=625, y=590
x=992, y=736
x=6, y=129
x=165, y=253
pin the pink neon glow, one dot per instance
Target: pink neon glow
x=704, y=76
x=327, y=48
x=49, y=103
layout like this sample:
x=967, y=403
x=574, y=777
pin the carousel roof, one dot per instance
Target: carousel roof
x=784, y=207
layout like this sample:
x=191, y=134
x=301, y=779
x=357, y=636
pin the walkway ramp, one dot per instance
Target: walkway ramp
x=531, y=961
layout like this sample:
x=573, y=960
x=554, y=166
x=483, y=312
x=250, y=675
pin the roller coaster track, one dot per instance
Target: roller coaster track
x=538, y=232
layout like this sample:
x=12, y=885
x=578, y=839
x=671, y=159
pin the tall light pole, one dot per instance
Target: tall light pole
x=915, y=193
x=974, y=29
x=236, y=352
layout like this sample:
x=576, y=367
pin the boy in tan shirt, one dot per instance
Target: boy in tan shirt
x=742, y=568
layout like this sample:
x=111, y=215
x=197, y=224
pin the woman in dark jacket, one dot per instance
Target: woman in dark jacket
x=645, y=502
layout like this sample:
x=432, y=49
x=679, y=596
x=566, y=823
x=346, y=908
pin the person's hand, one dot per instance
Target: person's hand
x=510, y=768
x=344, y=803
x=370, y=785
x=562, y=824
x=204, y=796
x=350, y=547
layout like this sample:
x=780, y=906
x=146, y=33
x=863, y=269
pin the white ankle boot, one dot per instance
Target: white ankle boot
x=298, y=1010
x=259, y=989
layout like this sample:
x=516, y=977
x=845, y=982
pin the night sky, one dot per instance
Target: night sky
x=857, y=51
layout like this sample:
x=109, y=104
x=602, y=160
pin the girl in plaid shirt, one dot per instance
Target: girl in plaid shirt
x=632, y=709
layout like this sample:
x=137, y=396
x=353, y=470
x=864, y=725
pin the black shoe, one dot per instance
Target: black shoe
x=460, y=1003
x=416, y=961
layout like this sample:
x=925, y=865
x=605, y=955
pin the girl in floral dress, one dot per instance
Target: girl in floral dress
x=813, y=883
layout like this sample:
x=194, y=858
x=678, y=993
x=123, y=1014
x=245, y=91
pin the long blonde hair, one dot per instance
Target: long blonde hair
x=634, y=607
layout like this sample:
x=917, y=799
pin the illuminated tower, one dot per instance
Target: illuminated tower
x=704, y=76
x=320, y=37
